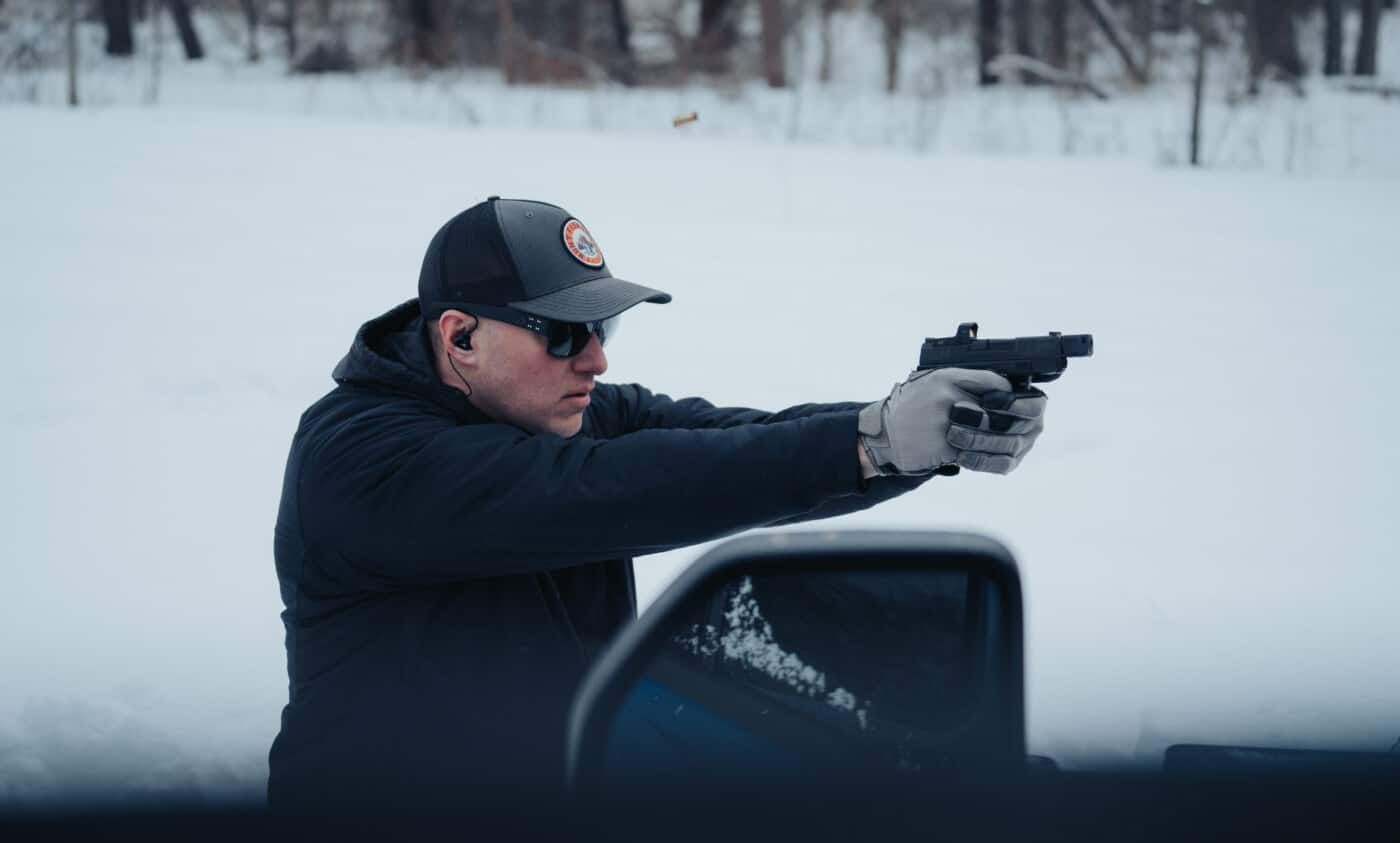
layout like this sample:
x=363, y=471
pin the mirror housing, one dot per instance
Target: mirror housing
x=842, y=653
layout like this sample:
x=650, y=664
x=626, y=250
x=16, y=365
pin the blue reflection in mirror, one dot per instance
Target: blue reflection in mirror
x=775, y=672
x=662, y=730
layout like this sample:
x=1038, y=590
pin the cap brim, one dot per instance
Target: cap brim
x=591, y=300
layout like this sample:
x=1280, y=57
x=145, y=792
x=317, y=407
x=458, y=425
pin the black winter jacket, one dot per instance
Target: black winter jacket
x=447, y=579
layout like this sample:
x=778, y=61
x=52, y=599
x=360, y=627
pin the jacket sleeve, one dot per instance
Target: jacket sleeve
x=488, y=500
x=880, y=489
x=631, y=407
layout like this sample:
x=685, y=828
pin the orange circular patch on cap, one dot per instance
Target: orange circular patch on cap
x=582, y=245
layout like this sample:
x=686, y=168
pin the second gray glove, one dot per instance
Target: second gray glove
x=940, y=418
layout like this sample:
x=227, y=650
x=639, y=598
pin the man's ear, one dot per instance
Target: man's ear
x=455, y=329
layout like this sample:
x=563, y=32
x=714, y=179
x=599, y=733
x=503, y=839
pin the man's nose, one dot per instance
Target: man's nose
x=592, y=360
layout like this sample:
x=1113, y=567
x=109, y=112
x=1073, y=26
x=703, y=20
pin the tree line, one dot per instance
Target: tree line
x=659, y=42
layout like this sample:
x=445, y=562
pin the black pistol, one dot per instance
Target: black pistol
x=1023, y=361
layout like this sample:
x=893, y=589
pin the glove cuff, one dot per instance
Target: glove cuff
x=875, y=439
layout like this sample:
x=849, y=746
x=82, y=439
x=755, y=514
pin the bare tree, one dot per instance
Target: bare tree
x=719, y=32
x=1144, y=25
x=1332, y=37
x=622, y=62
x=507, y=41
x=1201, y=24
x=184, y=24
x=1103, y=16
x=774, y=70
x=1171, y=14
x=893, y=14
x=1368, y=40
x=829, y=8
x=420, y=18
x=157, y=51
x=72, y=50
x=1057, y=24
x=988, y=39
x=116, y=16
x=1272, y=40
x=252, y=13
x=1023, y=32
x=575, y=19
x=289, y=26
x=625, y=67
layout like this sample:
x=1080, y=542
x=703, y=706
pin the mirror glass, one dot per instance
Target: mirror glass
x=782, y=672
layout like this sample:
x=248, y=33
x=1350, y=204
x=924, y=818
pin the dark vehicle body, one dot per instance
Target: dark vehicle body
x=830, y=685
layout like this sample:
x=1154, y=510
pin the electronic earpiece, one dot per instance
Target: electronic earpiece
x=463, y=340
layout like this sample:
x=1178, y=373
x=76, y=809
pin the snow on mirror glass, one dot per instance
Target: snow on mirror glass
x=772, y=668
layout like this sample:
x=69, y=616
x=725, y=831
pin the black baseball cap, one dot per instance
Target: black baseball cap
x=530, y=256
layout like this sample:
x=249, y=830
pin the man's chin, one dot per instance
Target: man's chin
x=568, y=427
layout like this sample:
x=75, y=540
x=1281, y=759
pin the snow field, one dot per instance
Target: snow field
x=1206, y=529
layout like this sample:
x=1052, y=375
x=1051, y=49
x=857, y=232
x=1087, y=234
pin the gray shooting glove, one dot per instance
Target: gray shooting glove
x=940, y=419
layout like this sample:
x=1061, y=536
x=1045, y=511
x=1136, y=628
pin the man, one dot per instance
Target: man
x=459, y=514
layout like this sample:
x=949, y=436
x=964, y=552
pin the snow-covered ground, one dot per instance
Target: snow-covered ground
x=1207, y=529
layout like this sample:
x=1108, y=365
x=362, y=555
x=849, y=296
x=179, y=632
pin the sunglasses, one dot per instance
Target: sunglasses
x=562, y=339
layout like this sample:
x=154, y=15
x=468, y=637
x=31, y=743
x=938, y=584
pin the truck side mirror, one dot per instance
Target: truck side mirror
x=832, y=654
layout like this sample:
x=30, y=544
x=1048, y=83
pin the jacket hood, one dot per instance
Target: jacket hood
x=391, y=352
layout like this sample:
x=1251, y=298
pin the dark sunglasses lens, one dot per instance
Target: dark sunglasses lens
x=567, y=339
x=562, y=342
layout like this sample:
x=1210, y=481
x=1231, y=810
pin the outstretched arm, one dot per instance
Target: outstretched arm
x=631, y=407
x=475, y=501
x=628, y=408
